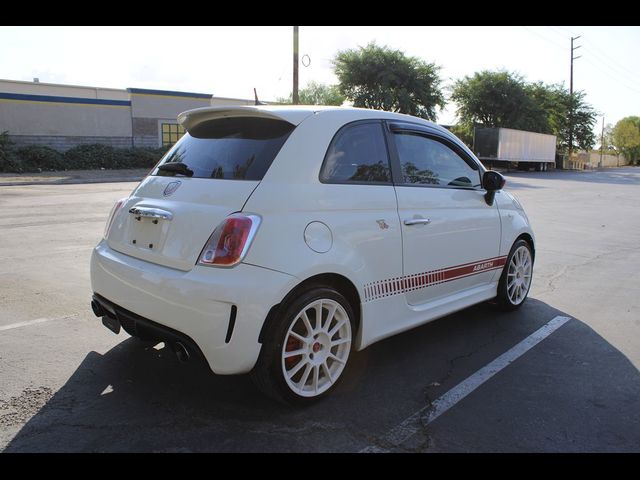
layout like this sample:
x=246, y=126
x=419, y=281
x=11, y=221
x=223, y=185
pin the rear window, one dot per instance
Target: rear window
x=240, y=148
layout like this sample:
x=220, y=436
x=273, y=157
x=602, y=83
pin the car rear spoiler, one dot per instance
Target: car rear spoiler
x=292, y=115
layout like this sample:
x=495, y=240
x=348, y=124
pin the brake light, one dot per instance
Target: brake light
x=112, y=215
x=230, y=241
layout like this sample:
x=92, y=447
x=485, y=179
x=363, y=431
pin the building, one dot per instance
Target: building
x=63, y=116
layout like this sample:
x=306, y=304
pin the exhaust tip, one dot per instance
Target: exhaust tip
x=181, y=352
x=98, y=311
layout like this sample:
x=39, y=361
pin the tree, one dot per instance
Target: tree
x=317, y=94
x=626, y=138
x=608, y=145
x=504, y=99
x=497, y=99
x=572, y=110
x=385, y=79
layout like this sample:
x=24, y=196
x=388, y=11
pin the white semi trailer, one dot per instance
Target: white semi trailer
x=508, y=148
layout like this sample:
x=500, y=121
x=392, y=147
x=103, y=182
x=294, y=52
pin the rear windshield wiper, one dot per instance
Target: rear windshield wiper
x=176, y=167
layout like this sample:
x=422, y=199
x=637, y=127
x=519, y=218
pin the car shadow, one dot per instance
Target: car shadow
x=137, y=398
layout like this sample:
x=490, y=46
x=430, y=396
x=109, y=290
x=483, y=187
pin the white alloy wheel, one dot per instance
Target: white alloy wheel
x=519, y=275
x=316, y=347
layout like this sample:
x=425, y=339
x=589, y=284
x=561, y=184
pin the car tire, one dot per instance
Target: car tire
x=515, y=281
x=324, y=351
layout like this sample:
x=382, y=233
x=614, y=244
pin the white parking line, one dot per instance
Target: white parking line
x=27, y=323
x=428, y=414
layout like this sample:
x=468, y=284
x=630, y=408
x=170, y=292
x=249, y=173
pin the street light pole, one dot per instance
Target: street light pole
x=295, y=97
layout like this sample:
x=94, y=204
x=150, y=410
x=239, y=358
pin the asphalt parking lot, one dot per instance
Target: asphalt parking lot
x=69, y=384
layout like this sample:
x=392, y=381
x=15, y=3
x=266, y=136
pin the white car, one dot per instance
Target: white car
x=277, y=240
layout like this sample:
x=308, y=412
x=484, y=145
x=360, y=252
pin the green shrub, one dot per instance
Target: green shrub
x=96, y=156
x=90, y=157
x=37, y=158
x=9, y=162
x=142, y=157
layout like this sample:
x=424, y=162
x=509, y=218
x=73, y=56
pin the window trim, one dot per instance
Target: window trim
x=395, y=128
x=378, y=122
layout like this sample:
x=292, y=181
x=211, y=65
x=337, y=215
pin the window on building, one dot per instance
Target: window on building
x=171, y=133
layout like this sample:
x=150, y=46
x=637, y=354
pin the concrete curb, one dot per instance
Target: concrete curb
x=70, y=181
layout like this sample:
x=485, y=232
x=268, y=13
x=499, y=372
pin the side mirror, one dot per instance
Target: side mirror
x=492, y=182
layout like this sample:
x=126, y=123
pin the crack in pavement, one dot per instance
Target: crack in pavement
x=418, y=422
x=566, y=268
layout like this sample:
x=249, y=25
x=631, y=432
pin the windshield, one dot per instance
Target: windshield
x=240, y=148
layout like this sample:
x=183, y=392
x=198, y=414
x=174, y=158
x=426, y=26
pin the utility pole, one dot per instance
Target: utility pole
x=602, y=142
x=295, y=96
x=571, y=94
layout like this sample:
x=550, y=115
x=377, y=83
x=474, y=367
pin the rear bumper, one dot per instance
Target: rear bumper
x=144, y=328
x=197, y=304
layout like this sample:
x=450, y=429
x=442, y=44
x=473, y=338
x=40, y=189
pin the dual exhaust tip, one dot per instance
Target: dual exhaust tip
x=181, y=351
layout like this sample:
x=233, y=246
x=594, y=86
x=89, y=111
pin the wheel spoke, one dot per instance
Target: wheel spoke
x=304, y=340
x=325, y=367
x=316, y=377
x=295, y=353
x=307, y=323
x=330, y=315
x=339, y=360
x=305, y=376
x=337, y=327
x=292, y=373
x=340, y=341
x=318, y=316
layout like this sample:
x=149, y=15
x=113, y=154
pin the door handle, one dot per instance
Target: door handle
x=417, y=221
x=150, y=212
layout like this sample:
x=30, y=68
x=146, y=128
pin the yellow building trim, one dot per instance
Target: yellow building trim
x=181, y=97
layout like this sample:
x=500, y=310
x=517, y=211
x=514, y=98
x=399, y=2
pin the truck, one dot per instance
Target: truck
x=509, y=148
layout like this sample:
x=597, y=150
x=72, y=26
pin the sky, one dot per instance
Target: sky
x=230, y=61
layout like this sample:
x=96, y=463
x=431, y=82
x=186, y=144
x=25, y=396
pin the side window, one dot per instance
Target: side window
x=427, y=161
x=358, y=154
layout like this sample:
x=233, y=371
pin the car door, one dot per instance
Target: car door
x=450, y=235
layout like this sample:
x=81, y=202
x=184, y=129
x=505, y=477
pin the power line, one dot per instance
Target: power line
x=607, y=57
x=544, y=38
x=603, y=73
x=604, y=56
x=622, y=78
x=611, y=66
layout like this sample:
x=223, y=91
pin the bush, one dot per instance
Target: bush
x=9, y=162
x=90, y=157
x=95, y=156
x=36, y=158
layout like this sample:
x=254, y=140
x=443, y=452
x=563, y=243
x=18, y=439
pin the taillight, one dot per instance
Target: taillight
x=230, y=241
x=112, y=215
